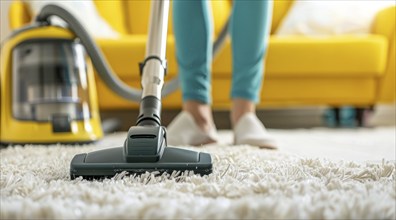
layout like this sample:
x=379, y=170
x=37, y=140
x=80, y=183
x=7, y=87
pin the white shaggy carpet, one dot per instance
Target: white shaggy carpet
x=247, y=183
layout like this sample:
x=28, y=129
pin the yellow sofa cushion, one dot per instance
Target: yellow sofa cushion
x=333, y=56
x=137, y=16
x=276, y=92
x=280, y=10
x=287, y=56
x=113, y=12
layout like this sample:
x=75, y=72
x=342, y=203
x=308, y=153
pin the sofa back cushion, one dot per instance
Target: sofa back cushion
x=114, y=13
x=137, y=16
x=131, y=17
x=280, y=10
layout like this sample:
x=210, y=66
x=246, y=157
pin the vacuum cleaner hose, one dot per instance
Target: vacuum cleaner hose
x=103, y=68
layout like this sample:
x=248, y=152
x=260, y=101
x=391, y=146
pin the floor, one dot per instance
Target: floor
x=360, y=145
x=317, y=173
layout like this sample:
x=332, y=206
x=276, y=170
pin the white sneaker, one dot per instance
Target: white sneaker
x=250, y=130
x=184, y=131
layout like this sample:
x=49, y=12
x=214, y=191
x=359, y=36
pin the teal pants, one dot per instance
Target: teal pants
x=249, y=30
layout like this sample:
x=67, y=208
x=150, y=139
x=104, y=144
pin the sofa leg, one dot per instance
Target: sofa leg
x=348, y=116
x=359, y=117
x=337, y=116
x=362, y=115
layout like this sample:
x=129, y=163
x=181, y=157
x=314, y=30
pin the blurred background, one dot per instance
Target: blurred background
x=273, y=116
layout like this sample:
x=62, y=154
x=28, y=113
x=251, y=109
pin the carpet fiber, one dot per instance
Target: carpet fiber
x=247, y=183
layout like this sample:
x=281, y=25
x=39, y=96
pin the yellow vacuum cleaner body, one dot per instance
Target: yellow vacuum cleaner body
x=48, y=92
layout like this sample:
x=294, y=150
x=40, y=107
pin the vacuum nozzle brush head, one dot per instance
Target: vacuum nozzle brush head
x=144, y=150
x=108, y=162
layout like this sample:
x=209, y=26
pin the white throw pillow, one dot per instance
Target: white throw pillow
x=84, y=11
x=325, y=17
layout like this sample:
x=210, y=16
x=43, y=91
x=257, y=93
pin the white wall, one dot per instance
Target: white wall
x=4, y=5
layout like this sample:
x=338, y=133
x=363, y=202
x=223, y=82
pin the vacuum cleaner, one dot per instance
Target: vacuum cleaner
x=48, y=92
x=54, y=93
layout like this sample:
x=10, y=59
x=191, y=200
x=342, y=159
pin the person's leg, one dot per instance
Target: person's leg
x=249, y=27
x=240, y=107
x=193, y=36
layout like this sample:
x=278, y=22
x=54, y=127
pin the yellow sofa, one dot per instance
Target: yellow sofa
x=333, y=71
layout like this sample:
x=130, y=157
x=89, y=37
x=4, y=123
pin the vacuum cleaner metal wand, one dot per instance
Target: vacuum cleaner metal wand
x=154, y=66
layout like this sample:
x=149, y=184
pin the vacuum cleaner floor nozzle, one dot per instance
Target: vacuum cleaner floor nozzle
x=108, y=162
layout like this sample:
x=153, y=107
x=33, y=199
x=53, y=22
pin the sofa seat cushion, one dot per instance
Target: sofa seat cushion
x=346, y=56
x=349, y=56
